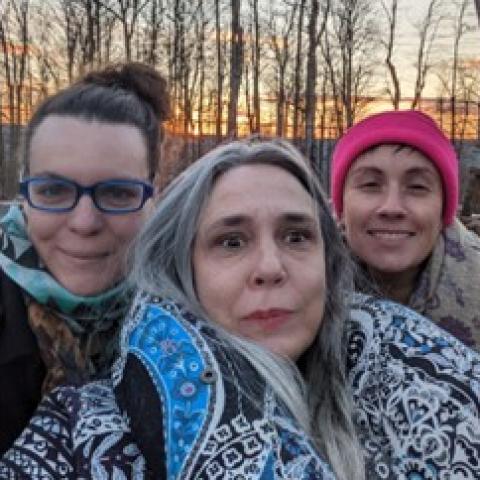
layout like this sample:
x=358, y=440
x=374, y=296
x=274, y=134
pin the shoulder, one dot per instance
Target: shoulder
x=461, y=243
x=414, y=386
x=388, y=328
x=74, y=433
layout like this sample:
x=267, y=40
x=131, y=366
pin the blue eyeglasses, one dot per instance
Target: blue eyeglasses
x=60, y=195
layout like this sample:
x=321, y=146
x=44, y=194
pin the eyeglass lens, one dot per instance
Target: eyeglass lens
x=54, y=193
x=119, y=196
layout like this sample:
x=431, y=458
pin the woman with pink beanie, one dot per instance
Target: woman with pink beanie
x=395, y=192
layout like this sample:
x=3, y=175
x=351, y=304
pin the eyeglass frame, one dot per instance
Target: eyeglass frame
x=89, y=190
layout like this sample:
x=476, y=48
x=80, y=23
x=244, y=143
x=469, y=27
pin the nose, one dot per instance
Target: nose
x=85, y=219
x=392, y=203
x=269, y=268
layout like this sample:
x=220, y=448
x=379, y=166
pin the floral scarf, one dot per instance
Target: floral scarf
x=448, y=289
x=77, y=336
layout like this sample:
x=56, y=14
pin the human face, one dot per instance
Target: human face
x=84, y=249
x=258, y=259
x=392, y=209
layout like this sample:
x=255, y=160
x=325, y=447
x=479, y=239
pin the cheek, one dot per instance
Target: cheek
x=203, y=276
x=206, y=281
x=214, y=287
x=432, y=218
x=353, y=214
x=125, y=229
x=314, y=286
x=42, y=229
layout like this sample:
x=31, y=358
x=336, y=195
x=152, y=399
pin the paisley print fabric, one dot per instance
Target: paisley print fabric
x=220, y=420
x=76, y=433
x=195, y=409
x=417, y=395
x=448, y=290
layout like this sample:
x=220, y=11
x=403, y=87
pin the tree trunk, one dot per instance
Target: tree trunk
x=218, y=38
x=310, y=95
x=298, y=71
x=236, y=67
x=256, y=69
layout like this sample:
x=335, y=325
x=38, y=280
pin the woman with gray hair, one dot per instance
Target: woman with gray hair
x=238, y=359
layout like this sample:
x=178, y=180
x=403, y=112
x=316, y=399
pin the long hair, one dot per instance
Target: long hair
x=161, y=263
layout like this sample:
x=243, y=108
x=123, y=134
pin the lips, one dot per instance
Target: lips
x=268, y=320
x=271, y=313
x=390, y=234
x=85, y=255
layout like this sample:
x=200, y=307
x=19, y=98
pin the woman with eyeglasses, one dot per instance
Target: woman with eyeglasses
x=91, y=154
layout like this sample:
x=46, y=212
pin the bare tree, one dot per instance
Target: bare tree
x=154, y=21
x=220, y=69
x=298, y=69
x=427, y=29
x=280, y=44
x=201, y=59
x=14, y=43
x=127, y=12
x=236, y=67
x=350, y=53
x=256, y=68
x=461, y=27
x=394, y=90
x=314, y=34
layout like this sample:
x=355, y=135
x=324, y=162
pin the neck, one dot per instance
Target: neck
x=396, y=286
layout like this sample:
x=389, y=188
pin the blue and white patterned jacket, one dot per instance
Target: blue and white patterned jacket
x=196, y=410
x=416, y=393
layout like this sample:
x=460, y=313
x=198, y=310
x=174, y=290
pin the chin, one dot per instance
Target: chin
x=88, y=287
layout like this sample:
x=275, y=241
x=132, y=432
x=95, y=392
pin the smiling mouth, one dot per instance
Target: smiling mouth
x=85, y=256
x=390, y=234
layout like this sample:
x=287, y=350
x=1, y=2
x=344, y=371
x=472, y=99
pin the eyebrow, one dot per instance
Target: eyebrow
x=240, y=219
x=379, y=171
x=367, y=169
x=52, y=175
x=422, y=170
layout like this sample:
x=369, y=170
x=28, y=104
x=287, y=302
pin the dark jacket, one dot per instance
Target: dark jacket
x=21, y=368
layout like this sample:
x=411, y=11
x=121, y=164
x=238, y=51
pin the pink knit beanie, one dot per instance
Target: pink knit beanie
x=407, y=127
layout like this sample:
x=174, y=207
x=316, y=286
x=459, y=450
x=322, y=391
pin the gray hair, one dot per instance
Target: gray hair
x=161, y=264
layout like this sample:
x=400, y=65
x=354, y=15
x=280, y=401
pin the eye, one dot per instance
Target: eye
x=418, y=186
x=114, y=195
x=51, y=192
x=231, y=241
x=51, y=189
x=369, y=185
x=300, y=238
x=119, y=192
x=297, y=236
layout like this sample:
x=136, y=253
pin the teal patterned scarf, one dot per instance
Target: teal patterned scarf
x=20, y=262
x=89, y=319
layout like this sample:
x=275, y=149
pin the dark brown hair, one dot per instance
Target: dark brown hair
x=131, y=93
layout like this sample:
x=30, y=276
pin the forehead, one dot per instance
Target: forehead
x=79, y=148
x=393, y=159
x=257, y=187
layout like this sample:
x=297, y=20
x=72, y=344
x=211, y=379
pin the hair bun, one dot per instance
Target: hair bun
x=138, y=78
